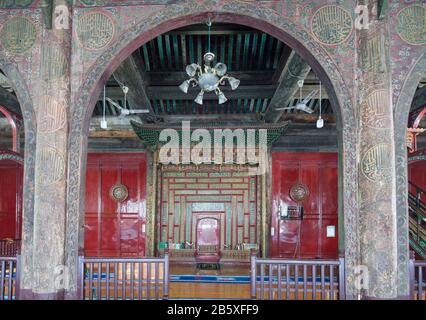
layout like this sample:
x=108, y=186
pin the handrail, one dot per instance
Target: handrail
x=123, y=278
x=292, y=279
x=10, y=270
x=417, y=271
x=417, y=187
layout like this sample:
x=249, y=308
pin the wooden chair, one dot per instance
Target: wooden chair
x=208, y=243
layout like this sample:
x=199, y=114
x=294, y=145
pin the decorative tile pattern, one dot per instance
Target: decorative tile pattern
x=204, y=194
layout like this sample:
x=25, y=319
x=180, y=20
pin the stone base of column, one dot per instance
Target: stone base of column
x=28, y=294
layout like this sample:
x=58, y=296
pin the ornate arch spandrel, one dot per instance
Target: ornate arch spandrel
x=281, y=26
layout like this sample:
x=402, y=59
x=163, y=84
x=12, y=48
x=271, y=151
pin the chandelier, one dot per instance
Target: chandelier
x=208, y=78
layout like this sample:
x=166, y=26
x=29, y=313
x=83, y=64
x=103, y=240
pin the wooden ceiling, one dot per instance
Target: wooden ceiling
x=254, y=57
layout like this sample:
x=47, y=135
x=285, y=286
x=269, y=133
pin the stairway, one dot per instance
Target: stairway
x=417, y=215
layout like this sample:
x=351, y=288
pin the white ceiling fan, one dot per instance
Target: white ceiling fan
x=123, y=111
x=303, y=104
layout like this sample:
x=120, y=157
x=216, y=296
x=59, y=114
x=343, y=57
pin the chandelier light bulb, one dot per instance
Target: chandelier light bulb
x=199, y=98
x=234, y=83
x=221, y=69
x=222, y=98
x=184, y=86
x=191, y=69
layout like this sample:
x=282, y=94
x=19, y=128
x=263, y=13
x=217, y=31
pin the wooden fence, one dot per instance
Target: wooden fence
x=417, y=279
x=124, y=278
x=283, y=279
x=9, y=277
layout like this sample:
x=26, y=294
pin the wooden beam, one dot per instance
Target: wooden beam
x=131, y=74
x=166, y=92
x=9, y=101
x=295, y=70
x=173, y=92
x=211, y=117
x=285, y=55
x=307, y=118
x=162, y=78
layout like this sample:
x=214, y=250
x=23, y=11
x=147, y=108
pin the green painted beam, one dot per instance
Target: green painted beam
x=199, y=50
x=161, y=52
x=246, y=49
x=146, y=58
x=191, y=49
x=154, y=55
x=277, y=55
x=238, y=52
x=269, y=51
x=230, y=51
x=253, y=51
x=222, y=48
x=176, y=52
x=183, y=48
x=261, y=52
x=168, y=51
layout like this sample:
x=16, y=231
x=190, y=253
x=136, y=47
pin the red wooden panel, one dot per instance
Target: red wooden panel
x=417, y=175
x=115, y=228
x=329, y=195
x=310, y=238
x=307, y=237
x=11, y=175
x=288, y=234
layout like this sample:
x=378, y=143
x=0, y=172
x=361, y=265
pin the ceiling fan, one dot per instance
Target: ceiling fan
x=123, y=111
x=303, y=104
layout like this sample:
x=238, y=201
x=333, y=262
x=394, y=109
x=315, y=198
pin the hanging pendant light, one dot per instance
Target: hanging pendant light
x=208, y=78
x=320, y=121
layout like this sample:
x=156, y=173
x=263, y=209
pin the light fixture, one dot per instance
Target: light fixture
x=320, y=121
x=208, y=78
x=104, y=123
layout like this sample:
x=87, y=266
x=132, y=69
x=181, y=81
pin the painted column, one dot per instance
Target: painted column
x=377, y=207
x=51, y=96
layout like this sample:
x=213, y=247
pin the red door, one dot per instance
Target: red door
x=208, y=232
x=306, y=237
x=114, y=226
x=417, y=176
x=11, y=175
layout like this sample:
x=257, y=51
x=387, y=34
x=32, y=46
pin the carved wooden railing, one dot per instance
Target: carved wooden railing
x=9, y=277
x=124, y=278
x=283, y=279
x=417, y=219
x=10, y=248
x=417, y=270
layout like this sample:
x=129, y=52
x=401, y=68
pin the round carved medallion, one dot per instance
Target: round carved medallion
x=119, y=192
x=299, y=192
x=95, y=30
x=52, y=114
x=411, y=24
x=18, y=35
x=52, y=166
x=374, y=111
x=54, y=64
x=376, y=163
x=331, y=24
